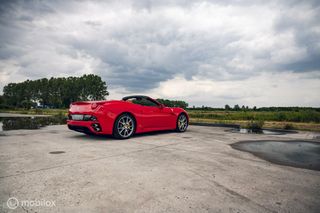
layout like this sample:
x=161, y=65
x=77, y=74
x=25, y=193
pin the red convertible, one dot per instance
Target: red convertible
x=122, y=119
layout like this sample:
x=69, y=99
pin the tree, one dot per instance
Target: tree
x=3, y=103
x=55, y=92
x=173, y=103
x=227, y=107
x=236, y=107
x=93, y=87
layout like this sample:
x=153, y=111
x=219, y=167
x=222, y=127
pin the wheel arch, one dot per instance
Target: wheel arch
x=177, y=125
x=186, y=114
x=122, y=113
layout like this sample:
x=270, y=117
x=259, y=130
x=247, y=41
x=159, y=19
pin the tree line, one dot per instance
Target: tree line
x=173, y=103
x=60, y=92
x=53, y=92
x=254, y=108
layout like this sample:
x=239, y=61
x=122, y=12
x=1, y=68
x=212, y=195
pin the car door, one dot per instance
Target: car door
x=151, y=117
x=155, y=116
x=151, y=113
x=167, y=118
x=159, y=117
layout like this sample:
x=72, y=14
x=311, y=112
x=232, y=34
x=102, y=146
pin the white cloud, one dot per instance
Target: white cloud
x=268, y=89
x=214, y=47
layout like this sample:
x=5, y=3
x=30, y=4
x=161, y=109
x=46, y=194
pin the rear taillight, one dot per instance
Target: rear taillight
x=86, y=117
x=89, y=118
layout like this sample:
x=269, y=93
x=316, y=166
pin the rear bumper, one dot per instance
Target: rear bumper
x=85, y=126
x=104, y=119
x=79, y=128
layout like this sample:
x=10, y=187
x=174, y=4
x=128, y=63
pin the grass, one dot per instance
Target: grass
x=308, y=126
x=299, y=120
x=255, y=126
x=289, y=116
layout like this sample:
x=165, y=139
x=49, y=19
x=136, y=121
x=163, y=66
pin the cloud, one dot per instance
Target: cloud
x=145, y=46
x=301, y=23
x=268, y=89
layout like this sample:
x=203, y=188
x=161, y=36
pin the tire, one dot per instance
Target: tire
x=182, y=123
x=124, y=126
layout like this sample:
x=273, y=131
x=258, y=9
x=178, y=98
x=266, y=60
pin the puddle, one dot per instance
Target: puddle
x=263, y=131
x=14, y=123
x=300, y=154
x=57, y=152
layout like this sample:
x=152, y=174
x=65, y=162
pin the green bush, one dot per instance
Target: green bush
x=5, y=106
x=255, y=126
x=32, y=122
x=288, y=126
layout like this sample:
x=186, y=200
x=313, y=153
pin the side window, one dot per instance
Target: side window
x=144, y=102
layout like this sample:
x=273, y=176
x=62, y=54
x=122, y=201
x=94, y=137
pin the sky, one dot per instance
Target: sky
x=255, y=53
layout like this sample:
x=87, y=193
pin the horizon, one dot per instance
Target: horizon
x=210, y=53
x=107, y=97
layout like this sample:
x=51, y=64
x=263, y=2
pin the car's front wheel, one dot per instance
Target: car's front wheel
x=182, y=123
x=124, y=127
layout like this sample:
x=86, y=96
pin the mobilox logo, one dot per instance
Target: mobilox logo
x=13, y=203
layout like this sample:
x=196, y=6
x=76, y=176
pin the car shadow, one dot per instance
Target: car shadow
x=162, y=132
x=93, y=137
x=111, y=138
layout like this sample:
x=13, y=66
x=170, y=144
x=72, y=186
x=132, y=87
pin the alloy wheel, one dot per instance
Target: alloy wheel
x=182, y=123
x=125, y=126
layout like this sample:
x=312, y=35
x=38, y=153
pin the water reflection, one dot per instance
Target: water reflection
x=262, y=131
x=302, y=154
x=14, y=123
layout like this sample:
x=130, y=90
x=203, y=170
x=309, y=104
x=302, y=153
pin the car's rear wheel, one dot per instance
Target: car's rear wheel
x=124, y=127
x=182, y=123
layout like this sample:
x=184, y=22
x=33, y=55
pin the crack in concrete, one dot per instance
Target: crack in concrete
x=230, y=191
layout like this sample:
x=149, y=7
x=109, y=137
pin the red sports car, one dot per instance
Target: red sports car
x=122, y=119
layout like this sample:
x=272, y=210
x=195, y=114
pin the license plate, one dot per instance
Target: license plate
x=77, y=117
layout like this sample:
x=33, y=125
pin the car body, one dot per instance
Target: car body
x=133, y=114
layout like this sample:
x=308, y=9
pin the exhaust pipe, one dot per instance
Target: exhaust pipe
x=96, y=127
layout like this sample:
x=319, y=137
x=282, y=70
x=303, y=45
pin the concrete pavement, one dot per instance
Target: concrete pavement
x=196, y=171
